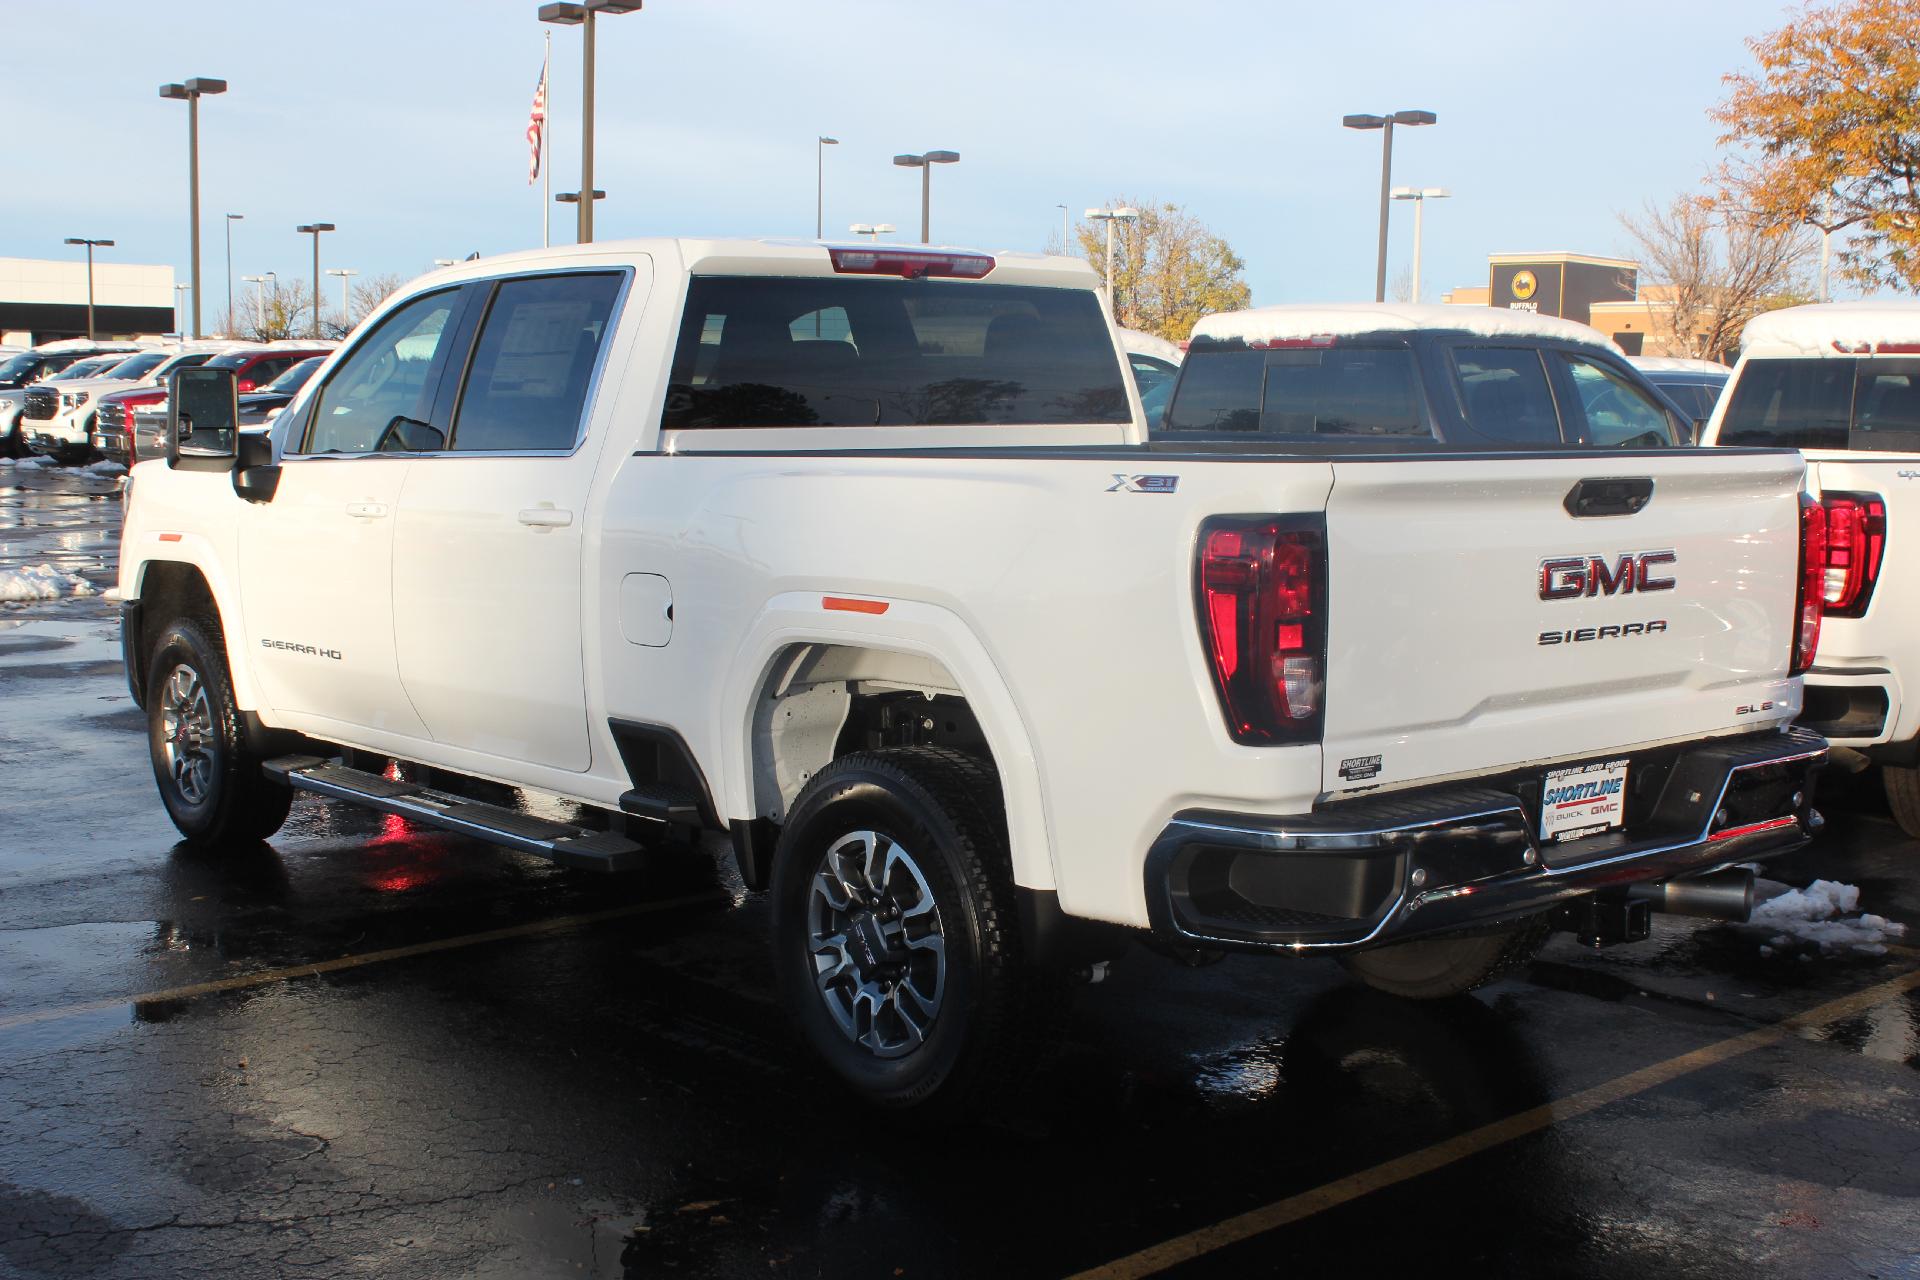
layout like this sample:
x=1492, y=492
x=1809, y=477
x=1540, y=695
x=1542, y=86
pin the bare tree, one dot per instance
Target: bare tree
x=370, y=292
x=1719, y=267
x=1400, y=288
x=278, y=309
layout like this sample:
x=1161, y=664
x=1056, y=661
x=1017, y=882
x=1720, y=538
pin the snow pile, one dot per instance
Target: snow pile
x=1134, y=341
x=41, y=582
x=35, y=462
x=1822, y=913
x=106, y=468
x=1814, y=329
x=1351, y=319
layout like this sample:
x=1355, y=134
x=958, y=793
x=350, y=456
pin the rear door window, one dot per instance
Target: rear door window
x=1886, y=406
x=1618, y=414
x=838, y=352
x=1505, y=394
x=1791, y=404
x=1342, y=390
x=526, y=386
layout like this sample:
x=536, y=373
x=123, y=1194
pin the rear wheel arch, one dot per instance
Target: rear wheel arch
x=816, y=701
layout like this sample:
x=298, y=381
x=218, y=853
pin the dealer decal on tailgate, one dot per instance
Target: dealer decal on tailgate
x=1583, y=800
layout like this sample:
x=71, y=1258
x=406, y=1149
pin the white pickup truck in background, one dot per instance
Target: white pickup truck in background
x=860, y=554
x=1841, y=382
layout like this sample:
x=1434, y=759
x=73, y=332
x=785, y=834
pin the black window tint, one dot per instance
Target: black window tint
x=380, y=393
x=1505, y=393
x=527, y=382
x=1791, y=404
x=1886, y=406
x=1619, y=415
x=890, y=353
x=1218, y=391
x=1343, y=391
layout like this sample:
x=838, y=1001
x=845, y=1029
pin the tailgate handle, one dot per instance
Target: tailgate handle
x=1609, y=496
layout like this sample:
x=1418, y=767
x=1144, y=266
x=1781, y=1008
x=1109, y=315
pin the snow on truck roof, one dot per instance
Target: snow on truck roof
x=1677, y=364
x=1352, y=319
x=1151, y=344
x=1835, y=329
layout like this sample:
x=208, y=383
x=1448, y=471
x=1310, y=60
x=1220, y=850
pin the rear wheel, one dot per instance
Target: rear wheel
x=1903, y=795
x=896, y=946
x=1431, y=968
x=212, y=785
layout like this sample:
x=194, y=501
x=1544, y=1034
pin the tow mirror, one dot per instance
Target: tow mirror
x=203, y=419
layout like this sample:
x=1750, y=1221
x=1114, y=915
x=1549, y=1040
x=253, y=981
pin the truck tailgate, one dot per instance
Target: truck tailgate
x=1476, y=624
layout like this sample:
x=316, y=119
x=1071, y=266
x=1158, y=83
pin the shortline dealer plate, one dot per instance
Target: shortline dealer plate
x=1583, y=800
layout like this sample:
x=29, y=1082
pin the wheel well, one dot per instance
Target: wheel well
x=820, y=702
x=170, y=589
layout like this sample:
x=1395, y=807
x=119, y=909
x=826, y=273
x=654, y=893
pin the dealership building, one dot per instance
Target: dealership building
x=1603, y=292
x=41, y=300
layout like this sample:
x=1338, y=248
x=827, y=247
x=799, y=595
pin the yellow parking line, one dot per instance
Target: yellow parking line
x=1330, y=1195
x=268, y=976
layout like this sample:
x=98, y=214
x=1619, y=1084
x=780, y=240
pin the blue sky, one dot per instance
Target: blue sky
x=402, y=123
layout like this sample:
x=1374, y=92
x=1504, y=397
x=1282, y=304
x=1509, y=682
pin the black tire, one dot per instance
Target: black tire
x=941, y=813
x=1902, y=783
x=1433, y=968
x=212, y=785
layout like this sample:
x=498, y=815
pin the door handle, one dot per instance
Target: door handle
x=546, y=518
x=367, y=510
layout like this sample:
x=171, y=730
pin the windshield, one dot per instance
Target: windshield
x=295, y=378
x=86, y=368
x=19, y=370
x=140, y=366
x=1344, y=390
x=1820, y=403
x=837, y=352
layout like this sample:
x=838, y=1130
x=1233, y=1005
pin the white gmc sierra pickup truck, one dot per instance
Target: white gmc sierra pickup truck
x=860, y=555
x=1840, y=381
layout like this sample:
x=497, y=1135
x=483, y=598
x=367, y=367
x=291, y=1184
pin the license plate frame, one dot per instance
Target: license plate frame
x=1583, y=800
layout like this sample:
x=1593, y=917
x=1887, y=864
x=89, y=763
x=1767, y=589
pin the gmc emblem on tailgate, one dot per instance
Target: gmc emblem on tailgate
x=1570, y=577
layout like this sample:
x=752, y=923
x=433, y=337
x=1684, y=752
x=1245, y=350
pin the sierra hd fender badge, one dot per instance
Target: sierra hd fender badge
x=1571, y=577
x=1143, y=484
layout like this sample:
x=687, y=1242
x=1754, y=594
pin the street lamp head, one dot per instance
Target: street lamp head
x=943, y=157
x=910, y=162
x=1364, y=122
x=564, y=15
x=613, y=6
x=882, y=228
x=573, y=197
x=98, y=244
x=200, y=86
x=830, y=142
x=1434, y=193
x=176, y=91
x=1126, y=213
x=861, y=229
x=1414, y=117
x=235, y=217
x=315, y=227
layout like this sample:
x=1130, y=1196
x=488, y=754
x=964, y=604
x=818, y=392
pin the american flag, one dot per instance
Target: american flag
x=537, y=127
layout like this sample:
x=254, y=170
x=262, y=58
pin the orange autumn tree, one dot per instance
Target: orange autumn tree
x=1829, y=127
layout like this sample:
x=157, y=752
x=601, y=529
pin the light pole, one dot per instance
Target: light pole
x=346, y=320
x=871, y=230
x=1419, y=196
x=924, y=162
x=178, y=289
x=314, y=229
x=581, y=15
x=566, y=197
x=191, y=92
x=820, y=145
x=1125, y=213
x=1385, y=125
x=91, y=245
x=231, y=219
x=1065, y=231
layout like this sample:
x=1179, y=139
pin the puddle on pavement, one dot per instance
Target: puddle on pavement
x=32, y=643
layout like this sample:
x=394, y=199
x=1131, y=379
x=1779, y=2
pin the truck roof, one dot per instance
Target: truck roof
x=1834, y=329
x=703, y=256
x=1677, y=364
x=1293, y=322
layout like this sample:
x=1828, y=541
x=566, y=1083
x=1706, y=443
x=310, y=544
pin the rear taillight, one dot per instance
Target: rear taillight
x=1809, y=603
x=1856, y=540
x=1262, y=587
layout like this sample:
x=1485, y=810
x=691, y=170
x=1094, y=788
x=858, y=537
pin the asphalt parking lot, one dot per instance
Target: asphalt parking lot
x=375, y=1050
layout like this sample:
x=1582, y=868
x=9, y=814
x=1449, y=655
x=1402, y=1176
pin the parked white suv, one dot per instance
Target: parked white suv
x=860, y=554
x=59, y=423
x=1841, y=382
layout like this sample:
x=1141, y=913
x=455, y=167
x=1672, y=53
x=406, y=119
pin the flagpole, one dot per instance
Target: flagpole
x=546, y=170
